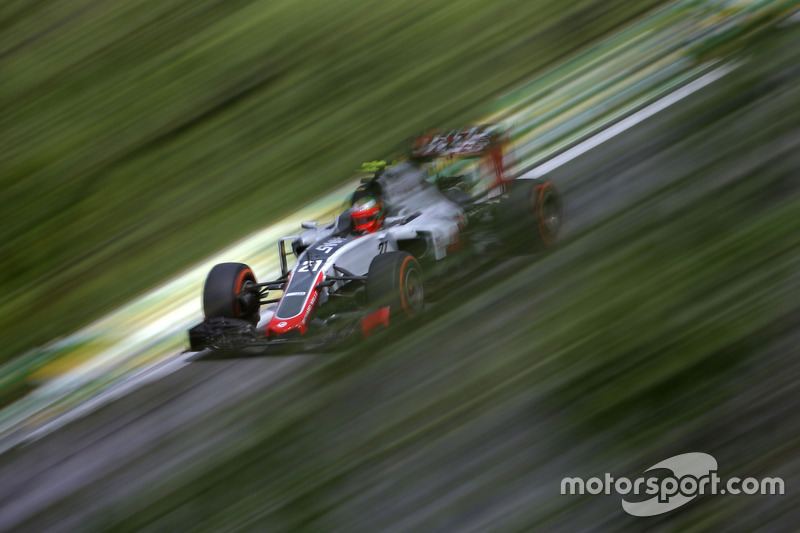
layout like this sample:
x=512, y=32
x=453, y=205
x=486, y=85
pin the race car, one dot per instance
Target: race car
x=447, y=203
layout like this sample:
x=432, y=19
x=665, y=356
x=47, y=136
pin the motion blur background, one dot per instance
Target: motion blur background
x=139, y=137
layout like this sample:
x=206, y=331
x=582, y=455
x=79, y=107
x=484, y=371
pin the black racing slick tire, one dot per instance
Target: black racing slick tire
x=531, y=217
x=395, y=279
x=225, y=293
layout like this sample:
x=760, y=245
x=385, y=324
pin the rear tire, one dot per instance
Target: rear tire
x=225, y=293
x=395, y=279
x=531, y=217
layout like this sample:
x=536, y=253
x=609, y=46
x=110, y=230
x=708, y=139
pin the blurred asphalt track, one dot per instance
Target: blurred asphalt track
x=77, y=476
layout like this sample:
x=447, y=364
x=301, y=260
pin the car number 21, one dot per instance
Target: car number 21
x=310, y=266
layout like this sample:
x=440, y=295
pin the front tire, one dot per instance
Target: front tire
x=226, y=294
x=395, y=279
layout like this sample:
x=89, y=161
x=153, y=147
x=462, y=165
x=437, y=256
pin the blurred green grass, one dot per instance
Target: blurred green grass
x=139, y=137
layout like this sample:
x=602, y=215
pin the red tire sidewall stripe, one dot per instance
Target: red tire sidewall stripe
x=237, y=287
x=403, y=299
x=535, y=205
x=539, y=210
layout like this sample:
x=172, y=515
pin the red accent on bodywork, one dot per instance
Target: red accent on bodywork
x=497, y=159
x=281, y=326
x=370, y=322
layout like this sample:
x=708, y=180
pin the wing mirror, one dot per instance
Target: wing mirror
x=308, y=225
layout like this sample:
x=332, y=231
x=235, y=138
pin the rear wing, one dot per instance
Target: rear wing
x=477, y=141
x=485, y=142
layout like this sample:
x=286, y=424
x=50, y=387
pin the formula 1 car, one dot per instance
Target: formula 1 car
x=410, y=226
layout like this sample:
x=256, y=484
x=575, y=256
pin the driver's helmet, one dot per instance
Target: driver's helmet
x=367, y=214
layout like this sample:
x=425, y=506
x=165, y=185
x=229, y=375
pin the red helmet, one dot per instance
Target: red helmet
x=368, y=214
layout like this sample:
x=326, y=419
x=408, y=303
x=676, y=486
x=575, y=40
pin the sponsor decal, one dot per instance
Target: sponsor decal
x=296, y=293
x=310, y=306
x=331, y=244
